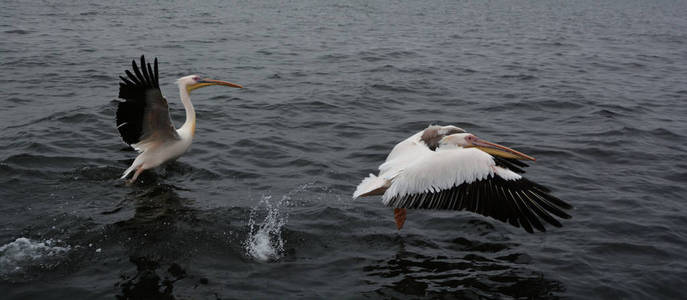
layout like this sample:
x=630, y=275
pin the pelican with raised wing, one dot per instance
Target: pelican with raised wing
x=444, y=167
x=143, y=117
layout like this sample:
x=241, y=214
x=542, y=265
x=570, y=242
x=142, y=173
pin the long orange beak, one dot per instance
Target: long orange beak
x=219, y=82
x=503, y=151
x=208, y=82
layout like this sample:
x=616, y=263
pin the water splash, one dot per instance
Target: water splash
x=265, y=242
x=24, y=252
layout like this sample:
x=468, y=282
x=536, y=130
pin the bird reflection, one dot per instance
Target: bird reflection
x=156, y=238
x=486, y=270
x=146, y=283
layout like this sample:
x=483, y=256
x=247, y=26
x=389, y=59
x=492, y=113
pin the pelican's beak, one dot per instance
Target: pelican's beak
x=208, y=82
x=496, y=149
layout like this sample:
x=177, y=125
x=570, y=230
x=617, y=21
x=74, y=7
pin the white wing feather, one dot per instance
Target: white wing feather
x=443, y=169
x=403, y=154
x=369, y=184
x=412, y=167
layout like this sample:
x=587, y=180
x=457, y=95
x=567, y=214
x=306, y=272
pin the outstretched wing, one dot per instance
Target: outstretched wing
x=143, y=117
x=403, y=153
x=413, y=147
x=469, y=179
x=399, y=157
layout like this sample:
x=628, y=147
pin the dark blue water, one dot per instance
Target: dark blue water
x=260, y=207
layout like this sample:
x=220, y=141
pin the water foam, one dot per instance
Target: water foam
x=25, y=252
x=265, y=242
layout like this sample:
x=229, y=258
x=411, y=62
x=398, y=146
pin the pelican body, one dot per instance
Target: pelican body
x=444, y=167
x=143, y=118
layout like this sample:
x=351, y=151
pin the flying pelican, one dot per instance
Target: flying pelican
x=444, y=167
x=143, y=117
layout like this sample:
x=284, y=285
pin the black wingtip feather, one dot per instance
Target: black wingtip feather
x=157, y=84
x=138, y=82
x=144, y=70
x=132, y=77
x=133, y=90
x=541, y=212
x=558, y=202
x=536, y=223
x=511, y=164
x=140, y=77
x=520, y=203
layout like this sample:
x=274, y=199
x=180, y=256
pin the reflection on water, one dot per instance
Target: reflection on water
x=147, y=282
x=486, y=271
x=155, y=239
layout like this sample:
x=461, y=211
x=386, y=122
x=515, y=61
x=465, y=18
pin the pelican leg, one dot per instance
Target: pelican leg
x=138, y=172
x=400, y=217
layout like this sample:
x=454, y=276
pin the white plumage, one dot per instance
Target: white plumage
x=434, y=171
x=143, y=118
x=443, y=167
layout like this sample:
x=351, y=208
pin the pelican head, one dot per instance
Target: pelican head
x=434, y=133
x=469, y=140
x=193, y=82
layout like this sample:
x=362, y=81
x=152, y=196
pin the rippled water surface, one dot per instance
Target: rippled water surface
x=261, y=206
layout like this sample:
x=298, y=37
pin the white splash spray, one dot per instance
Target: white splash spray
x=25, y=252
x=265, y=242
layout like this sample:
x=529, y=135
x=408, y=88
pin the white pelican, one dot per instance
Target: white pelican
x=444, y=167
x=143, y=117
